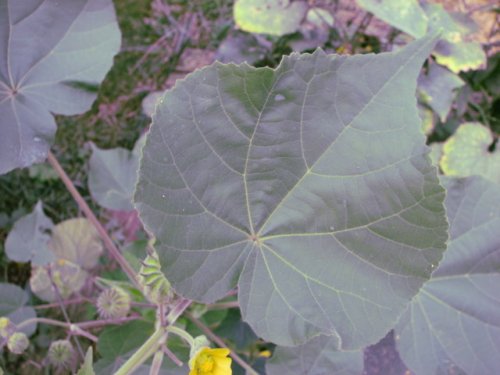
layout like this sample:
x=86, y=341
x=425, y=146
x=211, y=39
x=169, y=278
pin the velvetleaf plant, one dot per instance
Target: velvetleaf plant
x=308, y=187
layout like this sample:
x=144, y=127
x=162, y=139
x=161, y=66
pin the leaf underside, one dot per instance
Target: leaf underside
x=308, y=187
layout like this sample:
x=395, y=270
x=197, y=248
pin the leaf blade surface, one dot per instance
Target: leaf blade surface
x=453, y=323
x=268, y=179
x=47, y=47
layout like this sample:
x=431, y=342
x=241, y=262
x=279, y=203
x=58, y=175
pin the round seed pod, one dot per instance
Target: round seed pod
x=18, y=342
x=113, y=303
x=61, y=354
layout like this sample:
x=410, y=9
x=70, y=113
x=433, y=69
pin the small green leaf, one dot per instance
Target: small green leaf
x=316, y=357
x=86, y=368
x=460, y=56
x=13, y=306
x=27, y=241
x=438, y=89
x=78, y=241
x=436, y=153
x=466, y=153
x=453, y=324
x=405, y=15
x=453, y=50
x=427, y=116
x=275, y=17
x=112, y=176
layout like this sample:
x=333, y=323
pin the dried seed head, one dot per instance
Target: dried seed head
x=61, y=354
x=113, y=303
x=18, y=342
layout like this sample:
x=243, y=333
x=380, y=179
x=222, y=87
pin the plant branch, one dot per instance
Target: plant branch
x=182, y=334
x=143, y=353
x=177, y=311
x=108, y=242
x=71, y=326
x=156, y=364
x=73, y=301
x=212, y=336
x=171, y=355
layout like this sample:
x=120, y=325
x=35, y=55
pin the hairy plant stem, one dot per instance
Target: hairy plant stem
x=182, y=334
x=143, y=353
x=171, y=355
x=156, y=364
x=212, y=336
x=108, y=242
x=79, y=326
x=74, y=329
x=177, y=311
x=157, y=340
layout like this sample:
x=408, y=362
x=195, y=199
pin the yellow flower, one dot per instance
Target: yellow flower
x=209, y=361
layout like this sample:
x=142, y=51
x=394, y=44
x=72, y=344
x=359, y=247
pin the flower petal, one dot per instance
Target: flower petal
x=219, y=352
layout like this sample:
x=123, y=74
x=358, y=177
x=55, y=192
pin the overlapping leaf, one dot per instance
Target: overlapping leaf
x=406, y=15
x=454, y=49
x=453, y=324
x=316, y=357
x=467, y=153
x=27, y=241
x=78, y=241
x=13, y=302
x=47, y=49
x=275, y=17
x=112, y=176
x=438, y=89
x=307, y=186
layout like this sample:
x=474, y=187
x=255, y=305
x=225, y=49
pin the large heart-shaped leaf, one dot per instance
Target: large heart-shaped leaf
x=307, y=186
x=454, y=321
x=47, y=49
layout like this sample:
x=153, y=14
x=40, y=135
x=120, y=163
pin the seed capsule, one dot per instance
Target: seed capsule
x=18, y=343
x=61, y=354
x=113, y=303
